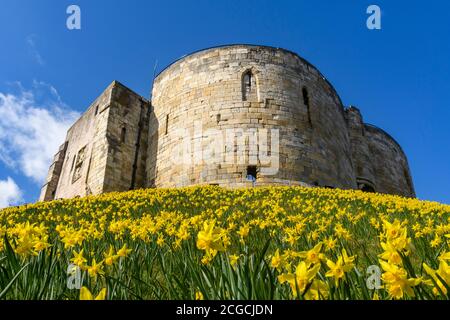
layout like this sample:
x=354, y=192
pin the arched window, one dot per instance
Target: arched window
x=248, y=85
x=306, y=103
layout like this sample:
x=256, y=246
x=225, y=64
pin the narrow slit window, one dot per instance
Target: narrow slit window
x=123, y=135
x=307, y=104
x=167, y=125
x=246, y=85
x=96, y=110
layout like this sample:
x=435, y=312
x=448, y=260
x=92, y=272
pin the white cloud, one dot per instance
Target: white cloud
x=33, y=124
x=10, y=193
x=31, y=42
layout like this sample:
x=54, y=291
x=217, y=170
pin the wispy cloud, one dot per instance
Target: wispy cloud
x=10, y=193
x=33, y=124
x=32, y=48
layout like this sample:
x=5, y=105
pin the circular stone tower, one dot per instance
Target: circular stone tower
x=241, y=115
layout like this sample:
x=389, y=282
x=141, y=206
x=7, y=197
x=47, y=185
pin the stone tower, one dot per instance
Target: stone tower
x=105, y=150
x=237, y=115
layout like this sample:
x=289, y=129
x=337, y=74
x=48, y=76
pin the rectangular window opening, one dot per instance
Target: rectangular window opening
x=123, y=135
x=252, y=172
x=307, y=104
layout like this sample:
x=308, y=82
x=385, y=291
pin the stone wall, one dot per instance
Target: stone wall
x=237, y=115
x=48, y=191
x=389, y=162
x=96, y=159
x=361, y=155
x=379, y=162
x=127, y=140
x=208, y=90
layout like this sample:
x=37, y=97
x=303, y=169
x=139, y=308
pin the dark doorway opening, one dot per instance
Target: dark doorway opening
x=367, y=188
x=252, y=173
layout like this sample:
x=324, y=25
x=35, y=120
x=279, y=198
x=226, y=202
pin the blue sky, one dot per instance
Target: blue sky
x=398, y=76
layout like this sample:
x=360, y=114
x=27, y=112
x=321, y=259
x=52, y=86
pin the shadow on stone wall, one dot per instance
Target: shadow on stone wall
x=152, y=150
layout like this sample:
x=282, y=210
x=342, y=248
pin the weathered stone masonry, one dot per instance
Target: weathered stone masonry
x=105, y=150
x=125, y=142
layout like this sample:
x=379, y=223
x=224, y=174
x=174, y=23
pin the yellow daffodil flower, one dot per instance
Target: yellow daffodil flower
x=85, y=294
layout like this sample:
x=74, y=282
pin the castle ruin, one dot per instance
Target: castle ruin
x=265, y=115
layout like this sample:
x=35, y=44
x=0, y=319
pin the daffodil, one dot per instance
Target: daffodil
x=338, y=269
x=277, y=260
x=210, y=238
x=123, y=252
x=78, y=259
x=397, y=282
x=444, y=256
x=313, y=256
x=95, y=269
x=330, y=243
x=439, y=276
x=161, y=222
x=393, y=230
x=41, y=244
x=234, y=258
x=199, y=295
x=85, y=294
x=244, y=231
x=390, y=254
x=25, y=245
x=348, y=261
x=110, y=256
x=301, y=278
x=317, y=291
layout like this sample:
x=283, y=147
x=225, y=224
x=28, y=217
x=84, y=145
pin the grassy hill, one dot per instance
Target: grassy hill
x=214, y=243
